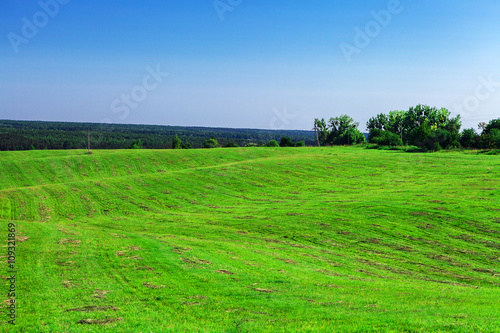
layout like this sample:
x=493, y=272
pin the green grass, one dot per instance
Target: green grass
x=253, y=240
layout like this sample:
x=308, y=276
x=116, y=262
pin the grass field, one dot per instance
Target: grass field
x=338, y=239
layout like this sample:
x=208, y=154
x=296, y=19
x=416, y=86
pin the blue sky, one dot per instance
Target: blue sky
x=250, y=64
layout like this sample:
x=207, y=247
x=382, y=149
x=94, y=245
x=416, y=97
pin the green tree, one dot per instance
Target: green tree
x=344, y=130
x=469, y=138
x=378, y=122
x=273, y=143
x=493, y=124
x=231, y=144
x=323, y=131
x=211, y=143
x=300, y=144
x=395, y=123
x=176, y=142
x=384, y=138
x=137, y=144
x=286, y=142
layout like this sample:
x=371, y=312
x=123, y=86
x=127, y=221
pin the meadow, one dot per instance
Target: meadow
x=341, y=239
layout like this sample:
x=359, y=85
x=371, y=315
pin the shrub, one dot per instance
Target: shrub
x=385, y=138
x=300, y=144
x=273, y=143
x=469, y=138
x=286, y=142
x=211, y=143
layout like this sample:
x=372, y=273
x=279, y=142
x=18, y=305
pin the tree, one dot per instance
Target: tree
x=322, y=129
x=286, y=142
x=395, y=123
x=176, y=142
x=495, y=137
x=231, y=145
x=137, y=144
x=344, y=130
x=493, y=124
x=384, y=138
x=378, y=122
x=469, y=138
x=211, y=143
x=273, y=143
x=186, y=145
x=300, y=144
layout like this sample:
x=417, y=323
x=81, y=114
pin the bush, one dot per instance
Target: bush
x=137, y=144
x=211, y=143
x=286, y=142
x=300, y=144
x=176, y=142
x=273, y=143
x=385, y=138
x=469, y=138
x=186, y=145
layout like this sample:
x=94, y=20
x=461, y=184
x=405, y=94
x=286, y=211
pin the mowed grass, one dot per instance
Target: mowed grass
x=338, y=239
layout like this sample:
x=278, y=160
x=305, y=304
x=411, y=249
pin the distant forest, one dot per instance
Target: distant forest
x=26, y=135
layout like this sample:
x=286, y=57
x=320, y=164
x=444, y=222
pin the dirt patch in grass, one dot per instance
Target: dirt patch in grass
x=8, y=301
x=326, y=272
x=223, y=271
x=100, y=293
x=288, y=261
x=68, y=284
x=21, y=239
x=195, y=261
x=99, y=321
x=67, y=232
x=120, y=253
x=404, y=248
x=134, y=248
x=92, y=308
x=146, y=268
x=152, y=286
x=69, y=241
x=260, y=290
x=135, y=258
x=119, y=236
x=426, y=226
x=330, y=286
x=180, y=250
x=64, y=263
x=419, y=213
x=484, y=270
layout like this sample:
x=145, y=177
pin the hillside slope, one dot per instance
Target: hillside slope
x=253, y=240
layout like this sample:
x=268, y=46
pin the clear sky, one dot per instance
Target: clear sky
x=248, y=64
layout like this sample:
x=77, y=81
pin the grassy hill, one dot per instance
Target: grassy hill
x=252, y=240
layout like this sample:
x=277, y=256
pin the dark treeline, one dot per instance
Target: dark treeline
x=26, y=135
